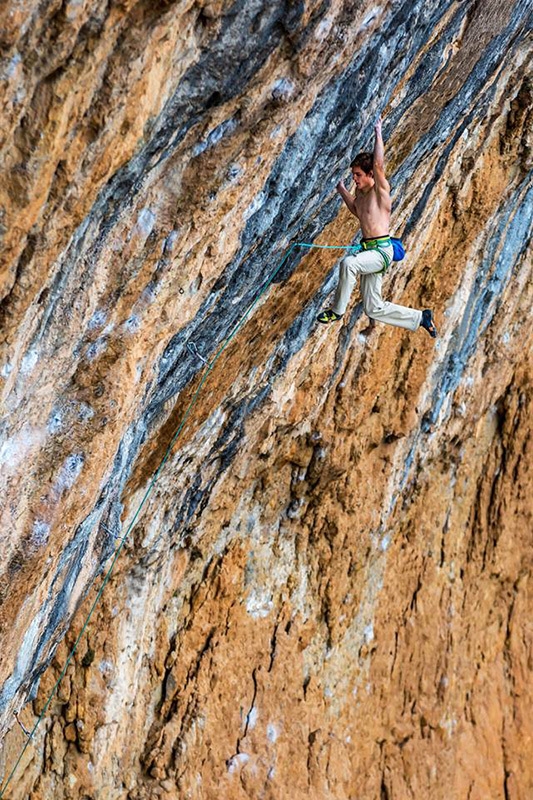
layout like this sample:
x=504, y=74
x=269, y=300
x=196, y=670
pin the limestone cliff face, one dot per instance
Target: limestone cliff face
x=326, y=593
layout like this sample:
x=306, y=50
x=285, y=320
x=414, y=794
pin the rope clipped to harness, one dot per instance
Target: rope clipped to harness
x=381, y=242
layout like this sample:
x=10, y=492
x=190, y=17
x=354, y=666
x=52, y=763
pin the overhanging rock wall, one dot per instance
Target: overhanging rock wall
x=327, y=593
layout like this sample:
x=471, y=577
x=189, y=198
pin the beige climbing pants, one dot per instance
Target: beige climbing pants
x=369, y=264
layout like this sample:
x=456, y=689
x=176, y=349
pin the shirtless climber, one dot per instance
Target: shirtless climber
x=372, y=207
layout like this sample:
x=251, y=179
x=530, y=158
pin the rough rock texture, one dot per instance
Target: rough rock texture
x=327, y=591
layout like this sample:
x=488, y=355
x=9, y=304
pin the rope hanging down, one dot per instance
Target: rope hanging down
x=209, y=366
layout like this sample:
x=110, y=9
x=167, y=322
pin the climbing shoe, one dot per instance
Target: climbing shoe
x=329, y=316
x=428, y=323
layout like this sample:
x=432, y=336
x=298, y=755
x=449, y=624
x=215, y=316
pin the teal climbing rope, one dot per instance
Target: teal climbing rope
x=209, y=367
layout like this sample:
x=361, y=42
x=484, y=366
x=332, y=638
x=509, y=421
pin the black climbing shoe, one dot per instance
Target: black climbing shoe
x=329, y=316
x=428, y=323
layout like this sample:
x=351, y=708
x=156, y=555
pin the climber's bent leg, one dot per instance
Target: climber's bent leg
x=383, y=311
x=365, y=262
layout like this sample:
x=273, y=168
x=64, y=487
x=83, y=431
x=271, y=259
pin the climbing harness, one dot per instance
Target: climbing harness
x=398, y=250
x=122, y=539
x=375, y=244
x=379, y=244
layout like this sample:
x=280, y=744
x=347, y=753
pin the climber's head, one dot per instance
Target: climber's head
x=362, y=170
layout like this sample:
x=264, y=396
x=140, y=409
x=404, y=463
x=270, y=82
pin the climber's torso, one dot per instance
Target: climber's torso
x=373, y=210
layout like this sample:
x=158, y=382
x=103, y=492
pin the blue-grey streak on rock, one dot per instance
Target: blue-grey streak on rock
x=513, y=238
x=509, y=243
x=53, y=616
x=461, y=111
x=221, y=73
x=57, y=609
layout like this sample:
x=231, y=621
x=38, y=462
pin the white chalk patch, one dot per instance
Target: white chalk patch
x=70, y=471
x=237, y=761
x=55, y=421
x=370, y=17
x=14, y=450
x=215, y=136
x=98, y=319
x=368, y=633
x=254, y=206
x=145, y=222
x=272, y=733
x=15, y=61
x=40, y=533
x=132, y=324
x=85, y=412
x=29, y=361
x=277, y=132
x=283, y=89
x=251, y=719
x=235, y=171
x=449, y=725
x=323, y=29
x=460, y=410
x=96, y=348
x=170, y=241
x=150, y=293
x=259, y=606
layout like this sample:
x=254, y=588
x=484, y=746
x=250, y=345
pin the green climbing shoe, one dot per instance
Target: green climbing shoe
x=329, y=316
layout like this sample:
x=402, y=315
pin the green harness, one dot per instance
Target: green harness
x=376, y=244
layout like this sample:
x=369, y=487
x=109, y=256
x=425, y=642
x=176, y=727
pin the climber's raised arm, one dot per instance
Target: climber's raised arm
x=381, y=183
